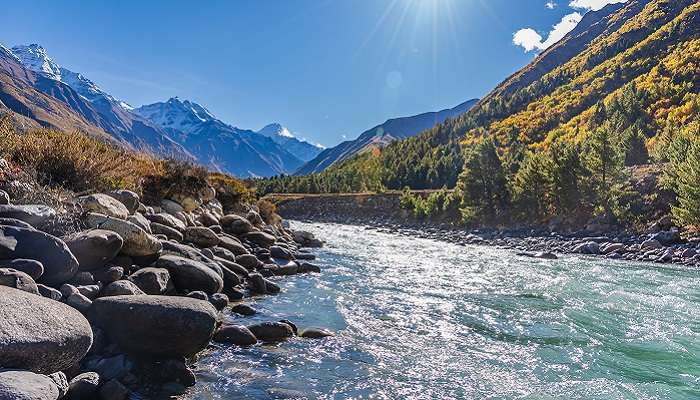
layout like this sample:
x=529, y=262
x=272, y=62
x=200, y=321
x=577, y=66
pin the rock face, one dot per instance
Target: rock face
x=25, y=385
x=35, y=214
x=59, y=263
x=39, y=334
x=104, y=204
x=94, y=248
x=190, y=275
x=137, y=243
x=155, y=325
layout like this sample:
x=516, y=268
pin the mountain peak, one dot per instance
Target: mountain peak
x=175, y=113
x=275, y=129
x=35, y=58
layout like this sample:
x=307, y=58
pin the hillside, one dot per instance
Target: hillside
x=380, y=136
x=618, y=90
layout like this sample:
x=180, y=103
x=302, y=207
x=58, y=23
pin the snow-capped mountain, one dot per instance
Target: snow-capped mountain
x=302, y=149
x=95, y=105
x=217, y=144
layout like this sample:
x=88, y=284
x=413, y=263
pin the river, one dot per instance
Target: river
x=422, y=319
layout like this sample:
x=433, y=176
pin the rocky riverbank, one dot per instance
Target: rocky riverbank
x=122, y=304
x=662, y=244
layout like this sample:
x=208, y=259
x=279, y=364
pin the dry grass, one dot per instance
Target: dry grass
x=230, y=191
x=268, y=212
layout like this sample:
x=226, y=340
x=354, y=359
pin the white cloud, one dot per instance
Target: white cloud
x=551, y=5
x=593, y=5
x=530, y=40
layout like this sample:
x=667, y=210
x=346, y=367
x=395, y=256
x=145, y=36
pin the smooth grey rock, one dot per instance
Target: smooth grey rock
x=128, y=198
x=79, y=301
x=170, y=233
x=103, y=204
x=308, y=267
x=59, y=263
x=152, y=280
x=25, y=385
x=235, y=334
x=59, y=378
x=249, y=261
x=15, y=222
x=171, y=207
x=167, y=220
x=316, y=333
x=89, y=291
x=271, y=331
x=219, y=300
x=260, y=238
x=49, y=292
x=243, y=309
x=139, y=220
x=39, y=334
x=236, y=224
x=17, y=279
x=121, y=288
x=199, y=295
x=33, y=214
x=192, y=253
x=155, y=325
x=256, y=283
x=32, y=268
x=94, y=248
x=190, y=275
x=201, y=236
x=84, y=386
x=232, y=245
x=280, y=252
x=108, y=274
x=137, y=243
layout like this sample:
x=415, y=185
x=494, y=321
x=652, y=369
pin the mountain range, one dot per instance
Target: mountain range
x=381, y=135
x=37, y=92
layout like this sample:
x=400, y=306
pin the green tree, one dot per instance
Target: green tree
x=604, y=159
x=532, y=185
x=687, y=211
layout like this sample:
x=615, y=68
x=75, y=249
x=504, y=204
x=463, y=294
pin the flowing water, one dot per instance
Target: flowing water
x=423, y=319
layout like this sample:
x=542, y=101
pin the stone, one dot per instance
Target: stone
x=199, y=295
x=137, y=243
x=190, y=275
x=219, y=301
x=152, y=280
x=167, y=220
x=221, y=252
x=235, y=334
x=254, y=218
x=32, y=268
x=192, y=253
x=79, y=301
x=231, y=267
x=667, y=238
x=589, y=247
x=59, y=263
x=113, y=390
x=271, y=287
x=103, y=204
x=84, y=386
x=59, y=378
x=234, y=294
x=256, y=283
x=308, y=267
x=49, y=292
x=306, y=239
x=612, y=248
x=305, y=256
x=171, y=207
x=128, y=198
x=82, y=278
x=316, y=333
x=236, y=224
x=109, y=274
x=271, y=331
x=39, y=334
x=260, y=238
x=122, y=288
x=17, y=279
x=232, y=245
x=291, y=268
x=89, y=291
x=15, y=222
x=25, y=385
x=249, y=261
x=545, y=255
x=155, y=325
x=170, y=233
x=208, y=219
x=201, y=236
x=115, y=367
x=280, y=252
x=33, y=214
x=688, y=253
x=651, y=244
x=243, y=309
x=139, y=220
x=94, y=248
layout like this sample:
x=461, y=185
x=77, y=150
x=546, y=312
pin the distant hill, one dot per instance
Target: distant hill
x=381, y=135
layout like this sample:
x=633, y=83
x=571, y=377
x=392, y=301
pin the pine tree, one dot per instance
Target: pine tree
x=482, y=184
x=531, y=185
x=687, y=212
x=604, y=159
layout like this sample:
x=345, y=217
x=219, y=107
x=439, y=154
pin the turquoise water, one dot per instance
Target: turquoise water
x=422, y=319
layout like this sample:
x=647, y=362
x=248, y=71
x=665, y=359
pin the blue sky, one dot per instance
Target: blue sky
x=326, y=69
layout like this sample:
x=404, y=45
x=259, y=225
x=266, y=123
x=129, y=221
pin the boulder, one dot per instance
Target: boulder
x=103, y=204
x=122, y=288
x=84, y=386
x=128, y=198
x=167, y=220
x=113, y=390
x=236, y=224
x=59, y=263
x=59, y=378
x=201, y=236
x=137, y=243
x=15, y=222
x=108, y=274
x=667, y=238
x=316, y=333
x=188, y=201
x=170, y=233
x=281, y=252
x=139, y=220
x=32, y=268
x=49, y=292
x=271, y=331
x=155, y=325
x=219, y=300
x=256, y=283
x=152, y=280
x=33, y=214
x=82, y=278
x=249, y=261
x=590, y=247
x=308, y=267
x=254, y=218
x=234, y=246
x=89, y=291
x=39, y=334
x=651, y=244
x=171, y=207
x=235, y=334
x=17, y=279
x=94, y=248
x=243, y=309
x=25, y=385
x=306, y=239
x=192, y=253
x=190, y=275
x=260, y=238
x=79, y=301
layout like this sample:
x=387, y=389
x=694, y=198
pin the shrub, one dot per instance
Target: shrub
x=268, y=211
